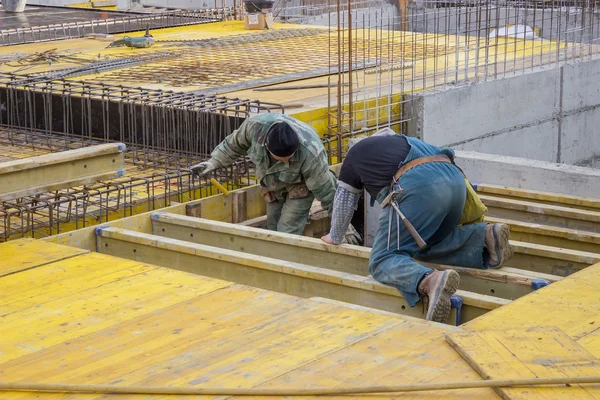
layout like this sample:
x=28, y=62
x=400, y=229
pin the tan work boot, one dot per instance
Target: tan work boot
x=439, y=286
x=496, y=241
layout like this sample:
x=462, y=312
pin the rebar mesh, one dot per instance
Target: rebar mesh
x=152, y=181
x=436, y=44
x=129, y=23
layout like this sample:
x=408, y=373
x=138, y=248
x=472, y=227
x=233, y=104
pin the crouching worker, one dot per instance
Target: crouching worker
x=416, y=181
x=291, y=164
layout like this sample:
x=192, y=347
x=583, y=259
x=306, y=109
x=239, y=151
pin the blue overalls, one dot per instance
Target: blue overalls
x=432, y=199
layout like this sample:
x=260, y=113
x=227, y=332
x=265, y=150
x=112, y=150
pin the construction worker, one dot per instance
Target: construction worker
x=430, y=193
x=291, y=164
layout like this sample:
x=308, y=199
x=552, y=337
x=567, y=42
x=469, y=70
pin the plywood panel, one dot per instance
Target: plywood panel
x=540, y=352
x=23, y=254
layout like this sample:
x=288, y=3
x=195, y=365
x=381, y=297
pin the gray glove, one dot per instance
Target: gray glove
x=352, y=236
x=203, y=168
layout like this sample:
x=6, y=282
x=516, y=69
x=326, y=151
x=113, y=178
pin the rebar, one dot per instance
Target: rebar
x=129, y=23
x=154, y=180
x=432, y=43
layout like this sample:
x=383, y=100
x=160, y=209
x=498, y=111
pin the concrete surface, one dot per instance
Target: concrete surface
x=551, y=114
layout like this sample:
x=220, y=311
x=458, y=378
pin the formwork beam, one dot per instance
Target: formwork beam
x=547, y=214
x=550, y=235
x=35, y=175
x=584, y=203
x=273, y=274
x=345, y=258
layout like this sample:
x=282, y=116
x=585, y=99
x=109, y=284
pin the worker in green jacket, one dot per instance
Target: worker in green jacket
x=291, y=164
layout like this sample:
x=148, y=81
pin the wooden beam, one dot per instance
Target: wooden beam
x=35, y=175
x=531, y=212
x=311, y=251
x=550, y=260
x=272, y=274
x=550, y=235
x=584, y=203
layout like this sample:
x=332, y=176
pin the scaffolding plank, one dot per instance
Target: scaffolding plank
x=23, y=254
x=544, y=351
x=272, y=274
x=305, y=250
x=48, y=172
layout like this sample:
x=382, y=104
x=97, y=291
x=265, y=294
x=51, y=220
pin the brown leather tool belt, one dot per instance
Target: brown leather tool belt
x=418, y=161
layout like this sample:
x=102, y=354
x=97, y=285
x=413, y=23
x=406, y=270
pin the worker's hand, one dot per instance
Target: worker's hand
x=327, y=239
x=202, y=168
x=352, y=236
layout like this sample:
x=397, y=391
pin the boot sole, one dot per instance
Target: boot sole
x=502, y=246
x=439, y=311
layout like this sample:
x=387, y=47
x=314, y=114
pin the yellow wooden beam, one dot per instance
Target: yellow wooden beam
x=550, y=260
x=532, y=212
x=312, y=251
x=54, y=171
x=272, y=274
x=585, y=203
x=550, y=235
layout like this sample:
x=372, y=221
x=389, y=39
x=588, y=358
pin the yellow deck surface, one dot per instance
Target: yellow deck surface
x=101, y=319
x=97, y=319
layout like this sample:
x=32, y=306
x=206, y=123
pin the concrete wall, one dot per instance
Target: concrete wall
x=551, y=114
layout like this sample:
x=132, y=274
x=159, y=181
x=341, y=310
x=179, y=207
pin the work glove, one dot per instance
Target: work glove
x=352, y=236
x=203, y=168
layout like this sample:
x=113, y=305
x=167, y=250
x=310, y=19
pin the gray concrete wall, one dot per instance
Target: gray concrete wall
x=551, y=115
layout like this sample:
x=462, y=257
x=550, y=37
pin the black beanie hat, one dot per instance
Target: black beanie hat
x=282, y=140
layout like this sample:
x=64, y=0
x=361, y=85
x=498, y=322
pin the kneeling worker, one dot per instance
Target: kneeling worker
x=418, y=181
x=291, y=164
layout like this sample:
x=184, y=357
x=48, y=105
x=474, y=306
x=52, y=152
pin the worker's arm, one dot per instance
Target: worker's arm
x=320, y=180
x=234, y=146
x=344, y=205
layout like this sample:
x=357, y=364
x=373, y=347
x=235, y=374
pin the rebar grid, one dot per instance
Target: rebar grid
x=184, y=124
x=146, y=187
x=458, y=44
x=113, y=25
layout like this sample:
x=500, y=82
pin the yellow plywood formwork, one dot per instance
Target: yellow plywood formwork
x=24, y=254
x=572, y=305
x=104, y=320
x=542, y=351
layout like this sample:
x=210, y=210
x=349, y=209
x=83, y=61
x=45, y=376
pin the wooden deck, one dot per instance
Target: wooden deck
x=73, y=316
x=102, y=319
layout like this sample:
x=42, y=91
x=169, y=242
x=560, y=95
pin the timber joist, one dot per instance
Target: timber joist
x=274, y=274
x=540, y=213
x=54, y=171
x=507, y=283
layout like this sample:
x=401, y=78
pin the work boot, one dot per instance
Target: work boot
x=496, y=242
x=439, y=286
